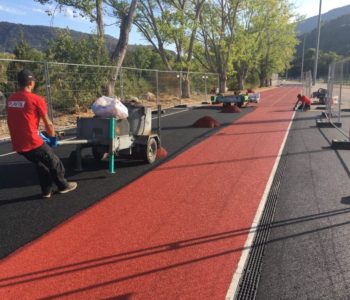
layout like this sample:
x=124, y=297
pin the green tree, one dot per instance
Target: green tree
x=324, y=60
x=140, y=57
x=217, y=36
x=91, y=9
x=171, y=22
x=80, y=84
x=4, y=82
x=25, y=52
x=123, y=11
x=246, y=43
x=278, y=39
x=33, y=60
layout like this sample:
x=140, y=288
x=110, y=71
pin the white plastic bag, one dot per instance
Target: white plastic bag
x=106, y=107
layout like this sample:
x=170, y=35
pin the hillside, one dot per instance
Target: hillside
x=334, y=37
x=311, y=23
x=37, y=36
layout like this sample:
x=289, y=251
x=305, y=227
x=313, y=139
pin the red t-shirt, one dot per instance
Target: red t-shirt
x=306, y=100
x=24, y=110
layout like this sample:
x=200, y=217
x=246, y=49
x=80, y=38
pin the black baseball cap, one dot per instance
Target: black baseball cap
x=24, y=77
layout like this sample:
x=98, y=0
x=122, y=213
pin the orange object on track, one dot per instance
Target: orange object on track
x=206, y=122
x=161, y=152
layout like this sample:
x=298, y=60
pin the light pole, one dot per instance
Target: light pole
x=302, y=61
x=317, y=43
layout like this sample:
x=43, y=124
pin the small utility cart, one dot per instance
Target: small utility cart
x=239, y=100
x=109, y=137
x=321, y=94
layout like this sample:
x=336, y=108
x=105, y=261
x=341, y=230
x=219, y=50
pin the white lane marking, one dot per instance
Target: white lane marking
x=72, y=138
x=247, y=246
x=10, y=153
x=6, y=154
x=174, y=113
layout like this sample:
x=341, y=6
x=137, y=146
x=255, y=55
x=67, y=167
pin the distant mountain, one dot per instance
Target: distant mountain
x=334, y=37
x=311, y=23
x=37, y=36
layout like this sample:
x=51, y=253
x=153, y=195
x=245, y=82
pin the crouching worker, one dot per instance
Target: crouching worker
x=24, y=111
x=305, y=103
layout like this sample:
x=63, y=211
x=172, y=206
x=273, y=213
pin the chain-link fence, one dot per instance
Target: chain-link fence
x=338, y=100
x=337, y=111
x=307, y=83
x=70, y=89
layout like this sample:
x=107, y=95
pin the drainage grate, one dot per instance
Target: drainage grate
x=248, y=285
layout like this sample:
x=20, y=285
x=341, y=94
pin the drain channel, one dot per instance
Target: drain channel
x=248, y=285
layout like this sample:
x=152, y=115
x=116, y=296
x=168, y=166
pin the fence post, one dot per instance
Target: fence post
x=48, y=90
x=205, y=87
x=180, y=87
x=111, y=145
x=341, y=89
x=218, y=87
x=159, y=107
x=329, y=108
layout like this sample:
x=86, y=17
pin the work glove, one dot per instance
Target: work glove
x=52, y=141
x=45, y=138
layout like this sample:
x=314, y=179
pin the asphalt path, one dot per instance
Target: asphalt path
x=24, y=216
x=307, y=254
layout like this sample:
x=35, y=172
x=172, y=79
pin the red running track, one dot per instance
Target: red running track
x=175, y=233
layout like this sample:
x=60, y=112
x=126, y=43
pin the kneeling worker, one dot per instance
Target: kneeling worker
x=305, y=103
x=24, y=111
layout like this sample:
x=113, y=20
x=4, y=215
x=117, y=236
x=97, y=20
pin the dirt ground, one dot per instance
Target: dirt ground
x=64, y=121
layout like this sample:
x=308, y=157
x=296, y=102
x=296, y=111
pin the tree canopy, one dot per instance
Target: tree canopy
x=240, y=40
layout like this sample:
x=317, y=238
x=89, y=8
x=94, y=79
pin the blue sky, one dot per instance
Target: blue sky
x=311, y=7
x=30, y=12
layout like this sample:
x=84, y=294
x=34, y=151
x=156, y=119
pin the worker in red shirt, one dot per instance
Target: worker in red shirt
x=24, y=111
x=305, y=103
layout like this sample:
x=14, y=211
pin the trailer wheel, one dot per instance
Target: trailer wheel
x=149, y=151
x=99, y=151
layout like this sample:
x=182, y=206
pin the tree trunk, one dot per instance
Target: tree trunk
x=163, y=56
x=99, y=20
x=122, y=45
x=222, y=82
x=263, y=79
x=185, y=86
x=241, y=81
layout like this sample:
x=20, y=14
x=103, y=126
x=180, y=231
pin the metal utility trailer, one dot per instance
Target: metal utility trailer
x=227, y=100
x=110, y=137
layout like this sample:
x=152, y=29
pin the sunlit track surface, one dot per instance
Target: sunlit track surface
x=177, y=232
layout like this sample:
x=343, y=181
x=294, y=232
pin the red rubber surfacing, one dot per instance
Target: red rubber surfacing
x=175, y=233
x=206, y=122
